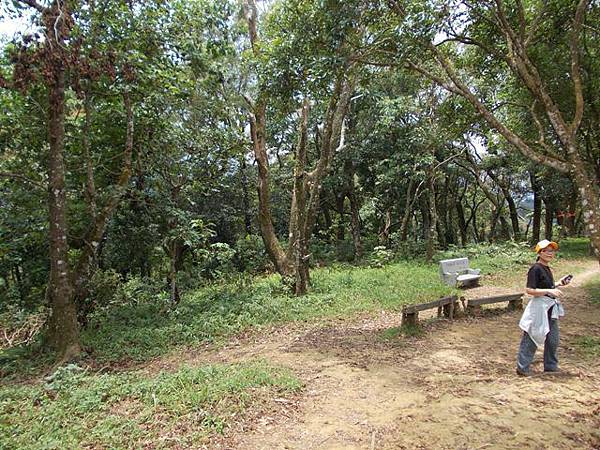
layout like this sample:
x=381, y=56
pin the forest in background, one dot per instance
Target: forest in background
x=150, y=148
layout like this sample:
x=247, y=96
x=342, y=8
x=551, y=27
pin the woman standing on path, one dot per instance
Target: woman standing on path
x=540, y=318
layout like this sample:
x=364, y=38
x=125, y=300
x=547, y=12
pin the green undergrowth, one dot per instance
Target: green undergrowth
x=76, y=409
x=394, y=333
x=590, y=345
x=211, y=314
x=148, y=328
x=593, y=289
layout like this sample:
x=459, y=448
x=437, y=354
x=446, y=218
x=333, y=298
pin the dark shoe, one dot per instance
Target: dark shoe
x=556, y=371
x=522, y=373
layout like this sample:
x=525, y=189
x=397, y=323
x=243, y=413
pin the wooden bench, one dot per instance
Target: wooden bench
x=454, y=272
x=515, y=302
x=410, y=314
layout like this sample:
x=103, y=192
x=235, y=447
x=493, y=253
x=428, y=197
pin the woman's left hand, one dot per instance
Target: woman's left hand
x=565, y=280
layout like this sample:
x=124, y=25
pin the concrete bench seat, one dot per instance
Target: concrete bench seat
x=456, y=272
x=467, y=278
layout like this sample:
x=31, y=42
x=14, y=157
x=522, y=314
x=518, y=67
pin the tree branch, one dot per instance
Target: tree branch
x=441, y=82
x=522, y=23
x=460, y=88
x=534, y=25
x=575, y=67
x=18, y=176
x=251, y=17
x=33, y=4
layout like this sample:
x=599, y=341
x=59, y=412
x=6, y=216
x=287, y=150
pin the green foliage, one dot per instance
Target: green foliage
x=395, y=333
x=412, y=330
x=145, y=329
x=407, y=250
x=250, y=255
x=593, y=289
x=103, y=286
x=77, y=409
x=140, y=291
x=589, y=345
x=219, y=261
x=574, y=248
x=380, y=256
x=23, y=362
x=390, y=334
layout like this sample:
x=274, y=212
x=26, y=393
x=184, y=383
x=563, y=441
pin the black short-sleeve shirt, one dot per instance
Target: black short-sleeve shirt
x=540, y=277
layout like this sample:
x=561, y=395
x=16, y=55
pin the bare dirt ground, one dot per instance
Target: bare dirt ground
x=452, y=388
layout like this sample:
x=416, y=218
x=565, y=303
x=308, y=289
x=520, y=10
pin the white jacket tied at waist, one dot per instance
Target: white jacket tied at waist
x=535, y=318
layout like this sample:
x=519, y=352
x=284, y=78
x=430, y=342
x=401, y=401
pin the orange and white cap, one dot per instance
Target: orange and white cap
x=544, y=244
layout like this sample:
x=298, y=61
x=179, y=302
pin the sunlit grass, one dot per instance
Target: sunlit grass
x=74, y=409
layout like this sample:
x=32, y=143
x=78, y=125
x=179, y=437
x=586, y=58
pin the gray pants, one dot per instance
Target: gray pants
x=527, y=350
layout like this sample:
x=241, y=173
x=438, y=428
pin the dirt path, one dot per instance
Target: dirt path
x=454, y=388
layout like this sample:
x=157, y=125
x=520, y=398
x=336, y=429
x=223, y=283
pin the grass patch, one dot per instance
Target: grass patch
x=589, y=345
x=593, y=289
x=394, y=333
x=412, y=330
x=390, y=334
x=24, y=361
x=75, y=409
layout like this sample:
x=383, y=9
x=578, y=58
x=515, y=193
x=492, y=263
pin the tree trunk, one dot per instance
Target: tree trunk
x=537, y=209
x=462, y=223
x=356, y=232
x=97, y=228
x=494, y=215
x=176, y=252
x=333, y=130
x=245, y=195
x=571, y=215
x=298, y=236
x=590, y=200
x=504, y=228
x=549, y=218
x=340, y=197
x=448, y=204
x=383, y=236
x=354, y=209
x=63, y=329
x=514, y=216
x=284, y=261
x=431, y=234
x=327, y=220
x=407, y=210
x=427, y=228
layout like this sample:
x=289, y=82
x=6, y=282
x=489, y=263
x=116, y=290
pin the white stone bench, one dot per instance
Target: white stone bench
x=456, y=271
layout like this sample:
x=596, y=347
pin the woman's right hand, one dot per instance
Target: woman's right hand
x=555, y=293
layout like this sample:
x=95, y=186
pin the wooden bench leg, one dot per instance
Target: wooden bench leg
x=449, y=310
x=410, y=319
x=515, y=305
x=473, y=310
